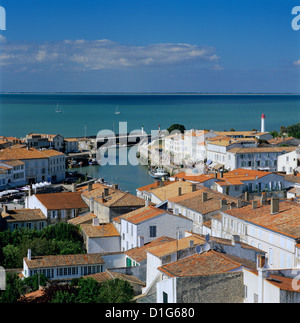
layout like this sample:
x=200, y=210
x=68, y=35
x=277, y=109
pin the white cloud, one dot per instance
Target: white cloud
x=297, y=63
x=103, y=54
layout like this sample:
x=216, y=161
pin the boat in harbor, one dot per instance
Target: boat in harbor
x=158, y=173
x=117, y=110
x=93, y=161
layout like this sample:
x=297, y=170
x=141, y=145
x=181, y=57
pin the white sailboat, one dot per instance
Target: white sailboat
x=58, y=109
x=117, y=110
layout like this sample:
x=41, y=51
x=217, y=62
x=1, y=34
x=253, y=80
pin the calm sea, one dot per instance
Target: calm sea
x=86, y=114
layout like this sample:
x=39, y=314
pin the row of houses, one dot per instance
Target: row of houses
x=20, y=165
x=234, y=149
x=178, y=241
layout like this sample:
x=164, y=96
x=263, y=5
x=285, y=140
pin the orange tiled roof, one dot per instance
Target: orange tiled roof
x=286, y=221
x=61, y=201
x=22, y=215
x=64, y=260
x=194, y=178
x=156, y=184
x=173, y=246
x=104, y=230
x=194, y=202
x=114, y=198
x=207, y=263
x=27, y=153
x=139, y=253
x=164, y=193
x=142, y=214
x=261, y=150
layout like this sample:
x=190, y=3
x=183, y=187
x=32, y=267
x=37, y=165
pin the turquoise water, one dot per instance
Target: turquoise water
x=129, y=177
x=21, y=114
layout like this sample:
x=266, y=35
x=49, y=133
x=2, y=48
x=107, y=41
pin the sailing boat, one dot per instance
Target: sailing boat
x=117, y=110
x=58, y=109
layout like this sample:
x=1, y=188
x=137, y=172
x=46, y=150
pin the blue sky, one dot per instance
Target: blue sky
x=149, y=46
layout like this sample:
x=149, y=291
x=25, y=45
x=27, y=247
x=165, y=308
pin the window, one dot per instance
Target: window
x=152, y=231
x=165, y=297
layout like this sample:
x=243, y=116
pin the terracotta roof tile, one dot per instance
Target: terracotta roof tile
x=104, y=230
x=22, y=215
x=286, y=221
x=64, y=260
x=61, y=201
x=206, y=263
x=139, y=253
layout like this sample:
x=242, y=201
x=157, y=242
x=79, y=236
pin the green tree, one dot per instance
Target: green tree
x=115, y=291
x=176, y=126
x=12, y=258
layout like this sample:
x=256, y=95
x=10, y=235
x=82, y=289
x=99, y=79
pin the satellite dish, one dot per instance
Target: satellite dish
x=206, y=246
x=207, y=237
x=198, y=248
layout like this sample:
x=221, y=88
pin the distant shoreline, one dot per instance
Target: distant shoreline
x=148, y=93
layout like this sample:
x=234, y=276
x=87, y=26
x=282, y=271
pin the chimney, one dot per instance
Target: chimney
x=263, y=198
x=95, y=222
x=140, y=241
x=254, y=205
x=223, y=203
x=191, y=243
x=29, y=254
x=90, y=186
x=274, y=205
x=116, y=186
x=194, y=187
x=216, y=175
x=221, y=174
x=4, y=209
x=106, y=193
x=179, y=191
x=247, y=196
x=73, y=187
x=158, y=183
x=239, y=203
x=204, y=196
x=146, y=202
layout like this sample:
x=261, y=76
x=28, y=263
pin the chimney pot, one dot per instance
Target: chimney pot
x=274, y=205
x=179, y=191
x=254, y=205
x=106, y=191
x=29, y=254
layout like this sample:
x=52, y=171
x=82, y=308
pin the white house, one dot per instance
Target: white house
x=63, y=266
x=148, y=223
x=260, y=158
x=102, y=237
x=289, y=162
x=273, y=228
x=58, y=207
x=12, y=174
x=239, y=181
x=40, y=165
